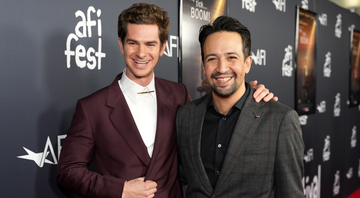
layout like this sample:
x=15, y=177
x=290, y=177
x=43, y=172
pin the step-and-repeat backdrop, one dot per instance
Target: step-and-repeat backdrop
x=54, y=52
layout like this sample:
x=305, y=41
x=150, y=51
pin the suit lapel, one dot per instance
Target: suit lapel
x=163, y=123
x=247, y=123
x=196, y=125
x=123, y=121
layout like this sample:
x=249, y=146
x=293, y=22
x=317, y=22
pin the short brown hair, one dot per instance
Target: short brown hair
x=226, y=24
x=144, y=13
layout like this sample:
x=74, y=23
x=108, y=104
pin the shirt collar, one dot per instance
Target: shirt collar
x=239, y=104
x=131, y=89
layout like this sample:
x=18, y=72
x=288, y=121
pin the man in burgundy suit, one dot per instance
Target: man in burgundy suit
x=128, y=128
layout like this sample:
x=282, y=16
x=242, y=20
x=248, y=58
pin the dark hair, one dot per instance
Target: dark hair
x=144, y=13
x=227, y=24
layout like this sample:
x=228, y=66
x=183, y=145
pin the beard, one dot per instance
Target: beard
x=221, y=91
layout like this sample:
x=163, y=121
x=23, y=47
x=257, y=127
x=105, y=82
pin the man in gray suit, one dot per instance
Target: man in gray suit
x=229, y=145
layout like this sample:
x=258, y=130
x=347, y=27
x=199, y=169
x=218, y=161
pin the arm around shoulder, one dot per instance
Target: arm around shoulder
x=187, y=96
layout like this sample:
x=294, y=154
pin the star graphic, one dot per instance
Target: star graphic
x=36, y=157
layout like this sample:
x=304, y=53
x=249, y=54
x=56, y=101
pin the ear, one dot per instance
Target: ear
x=121, y=46
x=248, y=64
x=162, y=49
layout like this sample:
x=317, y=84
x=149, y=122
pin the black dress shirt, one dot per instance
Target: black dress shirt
x=216, y=136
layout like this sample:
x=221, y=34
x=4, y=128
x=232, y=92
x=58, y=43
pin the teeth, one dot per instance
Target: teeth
x=223, y=79
x=141, y=62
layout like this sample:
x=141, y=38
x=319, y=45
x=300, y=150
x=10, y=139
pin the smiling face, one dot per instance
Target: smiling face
x=141, y=50
x=224, y=63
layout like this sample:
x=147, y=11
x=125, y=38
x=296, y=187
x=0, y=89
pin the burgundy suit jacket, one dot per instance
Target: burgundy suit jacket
x=103, y=131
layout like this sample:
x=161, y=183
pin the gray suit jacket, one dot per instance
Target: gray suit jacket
x=264, y=157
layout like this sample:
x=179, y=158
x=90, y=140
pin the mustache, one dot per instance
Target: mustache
x=228, y=73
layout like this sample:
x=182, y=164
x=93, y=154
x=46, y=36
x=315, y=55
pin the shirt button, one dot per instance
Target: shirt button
x=218, y=172
x=219, y=145
x=224, y=118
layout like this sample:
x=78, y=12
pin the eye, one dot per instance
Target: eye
x=210, y=59
x=151, y=44
x=232, y=57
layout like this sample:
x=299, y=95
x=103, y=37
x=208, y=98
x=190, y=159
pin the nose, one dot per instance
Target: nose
x=222, y=66
x=141, y=51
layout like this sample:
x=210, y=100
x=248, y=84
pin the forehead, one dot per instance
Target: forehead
x=223, y=42
x=142, y=32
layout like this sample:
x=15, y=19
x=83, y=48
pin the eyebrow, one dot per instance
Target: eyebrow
x=226, y=53
x=151, y=42
x=147, y=42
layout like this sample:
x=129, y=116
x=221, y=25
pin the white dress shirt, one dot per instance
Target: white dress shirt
x=143, y=108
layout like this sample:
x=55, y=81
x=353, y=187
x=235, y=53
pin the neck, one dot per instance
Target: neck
x=224, y=103
x=142, y=81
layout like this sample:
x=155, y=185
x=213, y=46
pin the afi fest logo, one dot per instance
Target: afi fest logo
x=359, y=169
x=260, y=57
x=312, y=188
x=336, y=185
x=303, y=119
x=90, y=57
x=287, y=62
x=280, y=5
x=309, y=155
x=173, y=42
x=350, y=173
x=322, y=107
x=337, y=108
x=326, y=150
x=351, y=27
x=41, y=158
x=249, y=5
x=323, y=19
x=353, y=138
x=327, y=65
x=338, y=26
x=305, y=4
